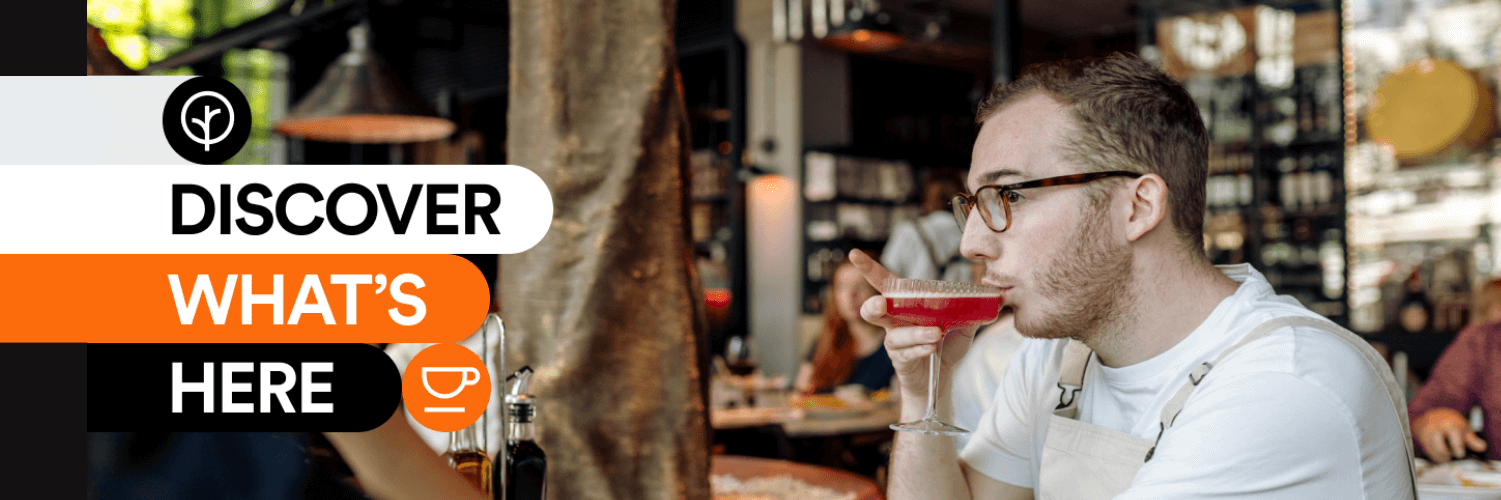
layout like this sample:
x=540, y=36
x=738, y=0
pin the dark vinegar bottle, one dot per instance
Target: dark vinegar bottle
x=525, y=463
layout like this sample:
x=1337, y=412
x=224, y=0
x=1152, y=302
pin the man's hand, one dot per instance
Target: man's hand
x=393, y=463
x=1445, y=435
x=909, y=346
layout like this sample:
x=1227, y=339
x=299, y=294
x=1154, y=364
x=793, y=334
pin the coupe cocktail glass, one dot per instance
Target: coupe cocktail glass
x=949, y=306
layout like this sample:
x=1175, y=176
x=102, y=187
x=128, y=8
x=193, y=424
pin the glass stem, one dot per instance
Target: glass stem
x=933, y=360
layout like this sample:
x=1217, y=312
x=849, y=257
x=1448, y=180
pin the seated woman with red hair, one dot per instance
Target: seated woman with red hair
x=850, y=350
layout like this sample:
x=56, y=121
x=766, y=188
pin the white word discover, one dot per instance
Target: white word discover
x=267, y=389
x=312, y=288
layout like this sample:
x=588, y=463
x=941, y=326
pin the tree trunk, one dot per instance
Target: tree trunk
x=607, y=307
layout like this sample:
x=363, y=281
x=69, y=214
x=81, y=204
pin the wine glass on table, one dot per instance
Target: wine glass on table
x=949, y=306
x=738, y=357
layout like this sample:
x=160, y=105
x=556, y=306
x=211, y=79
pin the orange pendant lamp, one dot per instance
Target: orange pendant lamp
x=869, y=29
x=359, y=100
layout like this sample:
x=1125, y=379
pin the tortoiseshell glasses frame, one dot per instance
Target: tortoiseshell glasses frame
x=995, y=200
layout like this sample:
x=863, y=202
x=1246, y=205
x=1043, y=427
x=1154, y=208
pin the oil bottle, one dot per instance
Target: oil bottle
x=467, y=456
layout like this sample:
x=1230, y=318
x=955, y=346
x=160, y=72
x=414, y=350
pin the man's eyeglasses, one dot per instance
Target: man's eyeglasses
x=994, y=201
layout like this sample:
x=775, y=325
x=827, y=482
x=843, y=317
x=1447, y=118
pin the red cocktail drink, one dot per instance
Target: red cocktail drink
x=946, y=312
x=946, y=305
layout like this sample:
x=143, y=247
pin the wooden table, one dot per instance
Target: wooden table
x=879, y=419
x=854, y=442
x=798, y=425
x=744, y=468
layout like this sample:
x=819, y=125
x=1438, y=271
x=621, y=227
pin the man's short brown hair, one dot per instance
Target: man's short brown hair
x=1130, y=116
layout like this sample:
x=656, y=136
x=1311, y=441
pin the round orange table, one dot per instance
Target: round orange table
x=744, y=468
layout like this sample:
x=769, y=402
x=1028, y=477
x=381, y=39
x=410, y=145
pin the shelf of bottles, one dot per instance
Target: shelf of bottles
x=710, y=171
x=711, y=65
x=849, y=202
x=1268, y=84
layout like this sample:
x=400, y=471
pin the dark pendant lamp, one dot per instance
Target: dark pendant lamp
x=359, y=100
x=869, y=29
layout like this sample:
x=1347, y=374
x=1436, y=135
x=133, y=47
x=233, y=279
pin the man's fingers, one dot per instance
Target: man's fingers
x=911, y=343
x=1475, y=442
x=1433, y=445
x=874, y=312
x=906, y=355
x=1455, y=439
x=873, y=271
x=908, y=336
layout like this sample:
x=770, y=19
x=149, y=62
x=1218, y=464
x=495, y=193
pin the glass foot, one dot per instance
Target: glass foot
x=935, y=427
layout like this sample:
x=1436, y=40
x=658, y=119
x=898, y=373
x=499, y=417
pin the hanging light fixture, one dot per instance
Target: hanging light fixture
x=359, y=100
x=869, y=29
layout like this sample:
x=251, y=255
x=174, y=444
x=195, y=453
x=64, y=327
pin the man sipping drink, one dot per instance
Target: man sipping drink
x=1148, y=372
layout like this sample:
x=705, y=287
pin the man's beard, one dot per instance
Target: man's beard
x=1087, y=284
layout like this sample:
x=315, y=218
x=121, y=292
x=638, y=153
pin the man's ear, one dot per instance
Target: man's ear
x=1148, y=196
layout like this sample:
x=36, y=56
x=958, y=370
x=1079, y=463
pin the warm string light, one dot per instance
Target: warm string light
x=1347, y=65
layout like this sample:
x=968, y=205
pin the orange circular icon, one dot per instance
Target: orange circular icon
x=446, y=387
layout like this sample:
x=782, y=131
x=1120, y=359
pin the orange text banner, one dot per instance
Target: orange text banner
x=240, y=298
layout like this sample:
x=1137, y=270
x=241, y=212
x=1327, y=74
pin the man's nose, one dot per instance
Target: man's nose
x=978, y=241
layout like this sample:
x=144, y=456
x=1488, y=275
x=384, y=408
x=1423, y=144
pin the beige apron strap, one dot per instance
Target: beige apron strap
x=1071, y=378
x=1175, y=405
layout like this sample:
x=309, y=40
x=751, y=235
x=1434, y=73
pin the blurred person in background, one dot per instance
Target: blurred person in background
x=1415, y=315
x=928, y=248
x=979, y=374
x=849, y=350
x=1463, y=379
x=1485, y=303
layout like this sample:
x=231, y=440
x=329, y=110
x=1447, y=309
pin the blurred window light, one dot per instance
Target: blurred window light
x=1274, y=46
x=261, y=75
x=141, y=32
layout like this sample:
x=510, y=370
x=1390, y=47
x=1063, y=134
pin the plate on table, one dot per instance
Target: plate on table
x=732, y=418
x=1448, y=492
x=823, y=406
x=1463, y=480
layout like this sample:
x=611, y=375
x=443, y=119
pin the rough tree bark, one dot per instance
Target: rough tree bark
x=607, y=308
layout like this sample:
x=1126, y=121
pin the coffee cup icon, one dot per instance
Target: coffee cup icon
x=465, y=381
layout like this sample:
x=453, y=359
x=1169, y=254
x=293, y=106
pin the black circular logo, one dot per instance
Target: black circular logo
x=206, y=120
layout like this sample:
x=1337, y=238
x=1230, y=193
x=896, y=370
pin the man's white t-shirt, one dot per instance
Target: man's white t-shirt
x=1297, y=414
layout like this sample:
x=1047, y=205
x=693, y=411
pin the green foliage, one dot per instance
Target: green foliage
x=141, y=32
